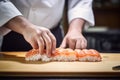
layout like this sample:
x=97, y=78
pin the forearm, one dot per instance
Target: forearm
x=18, y=24
x=76, y=24
x=7, y=12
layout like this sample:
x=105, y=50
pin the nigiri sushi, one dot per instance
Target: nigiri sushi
x=60, y=54
x=90, y=55
x=64, y=55
x=33, y=55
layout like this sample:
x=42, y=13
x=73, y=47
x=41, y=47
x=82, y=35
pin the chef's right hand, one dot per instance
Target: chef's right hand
x=40, y=37
x=37, y=36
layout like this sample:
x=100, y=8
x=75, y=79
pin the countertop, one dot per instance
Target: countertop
x=14, y=64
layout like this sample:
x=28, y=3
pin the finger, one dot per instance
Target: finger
x=72, y=43
x=40, y=42
x=78, y=44
x=48, y=43
x=53, y=40
x=34, y=44
x=64, y=43
x=84, y=44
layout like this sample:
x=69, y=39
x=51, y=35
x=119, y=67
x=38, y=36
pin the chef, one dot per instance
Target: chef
x=27, y=24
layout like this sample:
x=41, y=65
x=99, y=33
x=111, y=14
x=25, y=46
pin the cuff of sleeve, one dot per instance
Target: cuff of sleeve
x=87, y=15
x=7, y=12
x=4, y=31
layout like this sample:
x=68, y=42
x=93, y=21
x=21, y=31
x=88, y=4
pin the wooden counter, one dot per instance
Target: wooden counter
x=14, y=64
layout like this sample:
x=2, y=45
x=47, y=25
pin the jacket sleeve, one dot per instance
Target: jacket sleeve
x=7, y=12
x=81, y=9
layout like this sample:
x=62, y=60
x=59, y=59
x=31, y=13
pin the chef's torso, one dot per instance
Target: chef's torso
x=45, y=13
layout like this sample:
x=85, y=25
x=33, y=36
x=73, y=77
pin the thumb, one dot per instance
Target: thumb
x=63, y=44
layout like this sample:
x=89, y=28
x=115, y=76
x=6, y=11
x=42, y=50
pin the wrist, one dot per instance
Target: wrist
x=76, y=24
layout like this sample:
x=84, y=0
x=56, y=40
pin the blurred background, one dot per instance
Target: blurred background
x=105, y=35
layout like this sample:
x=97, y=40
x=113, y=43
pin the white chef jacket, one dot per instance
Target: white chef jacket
x=47, y=13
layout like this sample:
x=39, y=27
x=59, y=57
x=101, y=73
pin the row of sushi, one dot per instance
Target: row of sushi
x=60, y=54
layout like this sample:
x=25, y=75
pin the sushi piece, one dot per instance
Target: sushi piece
x=60, y=54
x=90, y=55
x=33, y=55
x=64, y=55
x=96, y=54
x=80, y=55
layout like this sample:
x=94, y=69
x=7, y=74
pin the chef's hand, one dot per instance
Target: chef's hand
x=74, y=38
x=40, y=37
x=37, y=36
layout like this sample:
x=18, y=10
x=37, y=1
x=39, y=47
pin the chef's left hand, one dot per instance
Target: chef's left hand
x=74, y=38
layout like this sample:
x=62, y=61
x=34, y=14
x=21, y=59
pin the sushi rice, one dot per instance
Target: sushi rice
x=65, y=55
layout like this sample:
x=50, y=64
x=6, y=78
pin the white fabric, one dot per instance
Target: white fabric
x=7, y=12
x=81, y=9
x=45, y=13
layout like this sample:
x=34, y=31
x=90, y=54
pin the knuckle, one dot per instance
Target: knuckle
x=49, y=42
x=38, y=33
x=79, y=38
x=72, y=39
x=47, y=30
x=54, y=39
